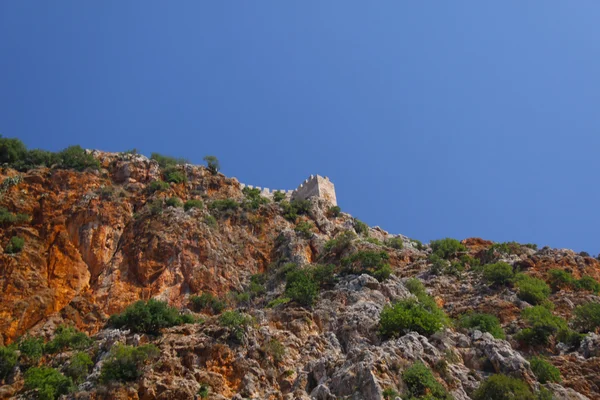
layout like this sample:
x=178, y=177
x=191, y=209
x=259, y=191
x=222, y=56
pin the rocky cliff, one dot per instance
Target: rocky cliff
x=97, y=241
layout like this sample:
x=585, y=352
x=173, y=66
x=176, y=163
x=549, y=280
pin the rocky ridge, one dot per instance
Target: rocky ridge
x=99, y=240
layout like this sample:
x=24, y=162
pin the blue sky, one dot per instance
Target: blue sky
x=433, y=119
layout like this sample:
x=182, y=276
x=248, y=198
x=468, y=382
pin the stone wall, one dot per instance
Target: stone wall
x=313, y=186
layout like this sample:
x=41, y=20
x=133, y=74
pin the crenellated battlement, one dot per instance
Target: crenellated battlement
x=315, y=185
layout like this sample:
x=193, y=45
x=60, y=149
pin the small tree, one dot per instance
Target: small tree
x=544, y=371
x=301, y=287
x=212, y=163
x=498, y=273
x=67, y=337
x=148, y=317
x=8, y=360
x=125, y=363
x=50, y=383
x=587, y=317
x=11, y=150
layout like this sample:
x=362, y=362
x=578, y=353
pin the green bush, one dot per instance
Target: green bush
x=124, y=363
x=505, y=248
x=253, y=199
x=8, y=360
x=395, y=243
x=225, y=205
x=174, y=202
x=166, y=161
x=207, y=301
x=438, y=264
x=369, y=262
x=544, y=371
x=49, y=383
x=158, y=186
x=334, y=211
x=447, y=248
x=74, y=157
x=278, y=196
x=588, y=283
x=416, y=287
x=360, y=227
x=155, y=206
x=193, y=203
x=204, y=391
x=532, y=290
x=323, y=275
x=421, y=384
x=587, y=317
x=374, y=241
x=79, y=367
x=559, y=279
x=340, y=243
x=305, y=229
x=301, y=287
x=37, y=158
x=31, y=348
x=147, y=317
x=542, y=325
x=11, y=150
x=410, y=315
x=390, y=394
x=483, y=322
x=236, y=322
x=502, y=387
x=8, y=218
x=210, y=221
x=291, y=210
x=498, y=274
x=67, y=337
x=274, y=349
x=172, y=174
x=212, y=164
x=15, y=245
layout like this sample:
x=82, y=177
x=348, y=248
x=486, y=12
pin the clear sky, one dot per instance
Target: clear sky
x=433, y=119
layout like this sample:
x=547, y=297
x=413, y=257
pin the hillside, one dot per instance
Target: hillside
x=270, y=299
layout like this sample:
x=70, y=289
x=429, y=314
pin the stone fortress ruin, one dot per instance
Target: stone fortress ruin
x=315, y=185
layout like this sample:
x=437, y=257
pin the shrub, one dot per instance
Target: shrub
x=124, y=363
x=360, y=227
x=278, y=196
x=67, y=337
x=50, y=383
x=587, y=317
x=158, y=186
x=340, y=243
x=559, y=279
x=416, y=287
x=278, y=301
x=166, y=161
x=174, y=202
x=502, y=387
x=204, y=391
x=35, y=158
x=274, y=349
x=253, y=198
x=334, y=211
x=367, y=261
x=207, y=301
x=155, y=206
x=421, y=383
x=498, y=274
x=224, y=205
x=532, y=290
x=323, y=275
x=374, y=241
x=483, y=322
x=301, y=287
x=32, y=348
x=292, y=209
x=390, y=394
x=172, y=174
x=542, y=325
x=417, y=244
x=505, y=248
x=193, y=204
x=212, y=164
x=79, y=367
x=11, y=150
x=584, y=254
x=8, y=360
x=588, y=283
x=210, y=221
x=236, y=322
x=438, y=264
x=74, y=157
x=305, y=229
x=410, y=315
x=544, y=371
x=147, y=317
x=395, y=243
x=15, y=245
x=447, y=248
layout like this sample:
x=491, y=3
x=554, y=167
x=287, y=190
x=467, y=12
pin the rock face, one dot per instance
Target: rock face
x=97, y=241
